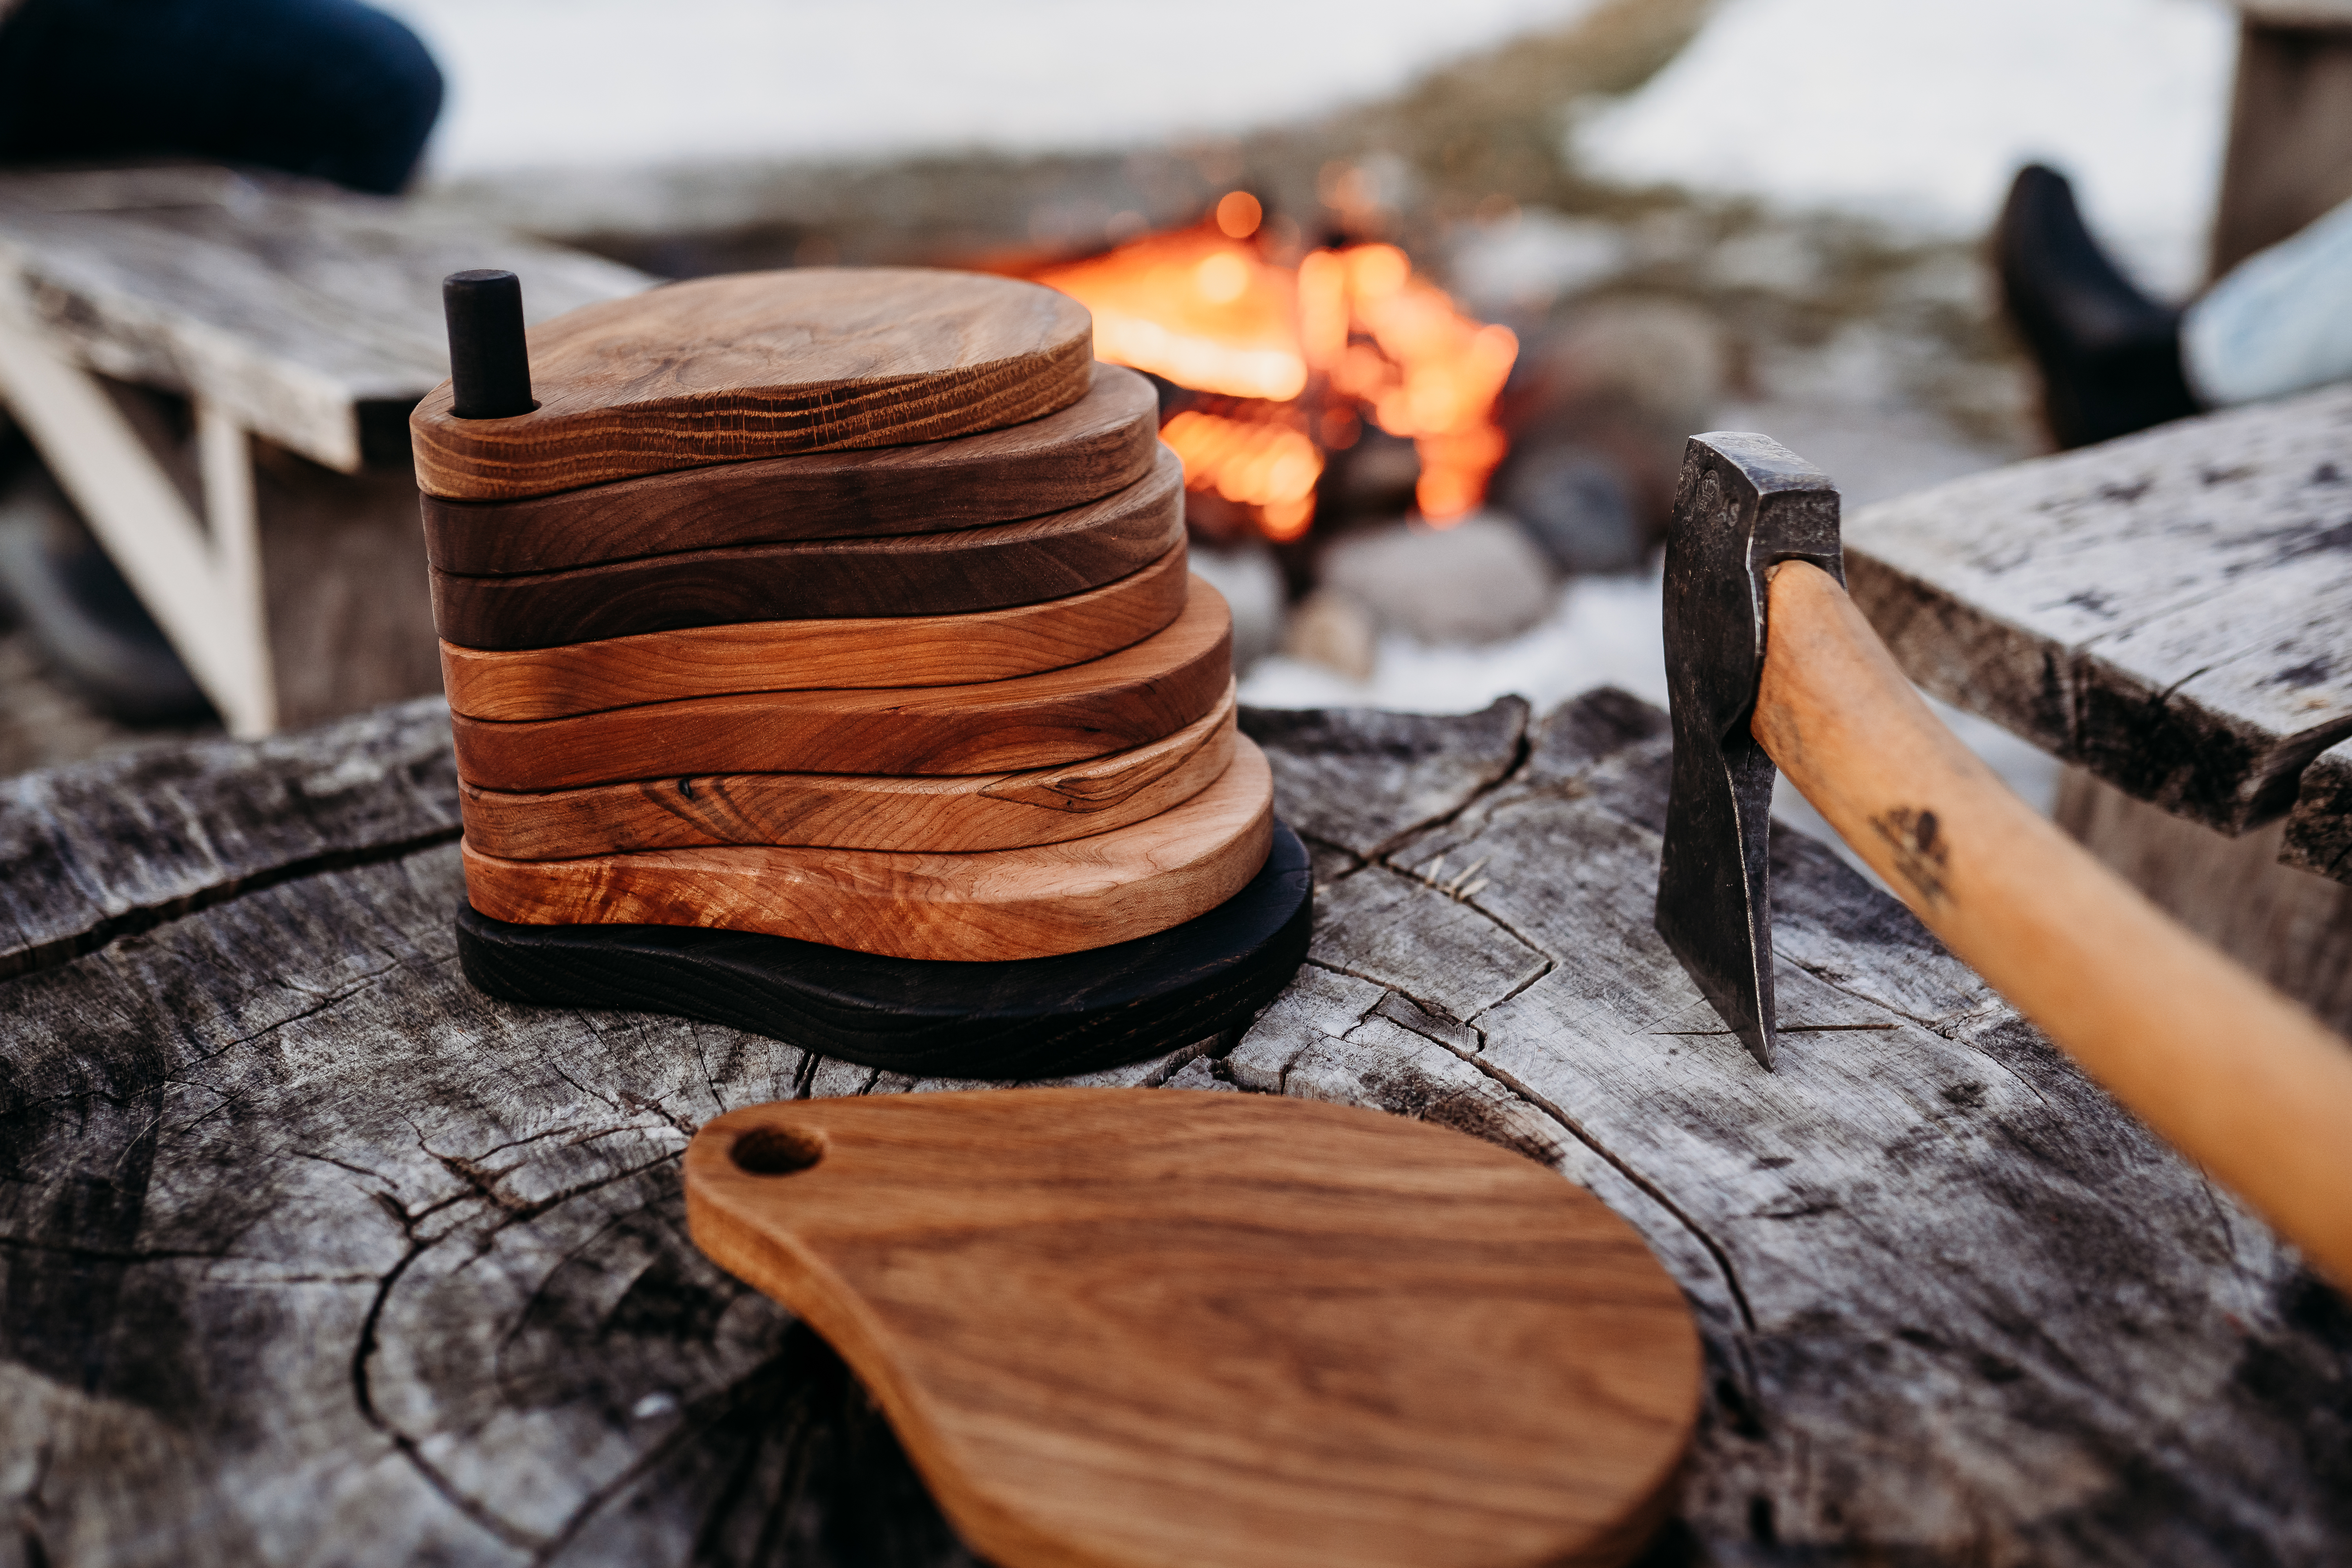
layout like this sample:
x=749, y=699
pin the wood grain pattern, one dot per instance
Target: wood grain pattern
x=1011, y=903
x=1421, y=1352
x=1128, y=699
x=782, y=655
x=837, y=811
x=1099, y=444
x=2237, y=1077
x=759, y=365
x=249, y=1084
x=970, y=570
x=1024, y=1019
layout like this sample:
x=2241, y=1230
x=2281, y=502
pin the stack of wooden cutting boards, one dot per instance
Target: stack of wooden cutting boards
x=844, y=605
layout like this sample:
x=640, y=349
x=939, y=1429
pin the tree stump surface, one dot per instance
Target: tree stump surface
x=315, y=1253
x=2166, y=610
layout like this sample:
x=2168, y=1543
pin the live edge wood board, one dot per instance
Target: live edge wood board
x=1124, y=700
x=791, y=656
x=1117, y=1328
x=1009, y=903
x=723, y=370
x=971, y=569
x=1102, y=443
x=989, y=811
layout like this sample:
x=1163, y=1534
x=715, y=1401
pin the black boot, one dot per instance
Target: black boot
x=2109, y=355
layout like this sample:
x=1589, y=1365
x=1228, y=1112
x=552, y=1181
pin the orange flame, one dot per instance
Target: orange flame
x=1201, y=308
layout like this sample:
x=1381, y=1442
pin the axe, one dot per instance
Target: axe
x=1769, y=665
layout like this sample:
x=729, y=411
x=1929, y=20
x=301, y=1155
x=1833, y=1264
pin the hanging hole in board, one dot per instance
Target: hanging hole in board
x=776, y=1151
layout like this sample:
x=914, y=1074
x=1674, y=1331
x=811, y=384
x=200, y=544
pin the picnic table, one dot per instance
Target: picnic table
x=314, y=1253
x=2171, y=614
x=217, y=365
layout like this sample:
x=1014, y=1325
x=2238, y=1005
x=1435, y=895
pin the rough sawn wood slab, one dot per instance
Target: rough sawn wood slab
x=314, y=1252
x=758, y=364
x=1120, y=1329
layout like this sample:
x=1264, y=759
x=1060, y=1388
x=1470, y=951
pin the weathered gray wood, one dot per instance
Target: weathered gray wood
x=315, y=1253
x=2168, y=610
x=2319, y=829
x=310, y=314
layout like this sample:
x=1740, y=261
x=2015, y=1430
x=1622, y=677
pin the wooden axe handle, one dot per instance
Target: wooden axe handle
x=2236, y=1076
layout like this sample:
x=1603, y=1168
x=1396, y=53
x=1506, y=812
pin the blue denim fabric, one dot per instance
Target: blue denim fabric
x=324, y=87
x=2279, y=322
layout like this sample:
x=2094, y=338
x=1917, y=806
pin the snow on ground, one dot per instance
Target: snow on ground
x=630, y=84
x=1921, y=112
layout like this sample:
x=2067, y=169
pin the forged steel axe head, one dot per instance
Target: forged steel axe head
x=1743, y=503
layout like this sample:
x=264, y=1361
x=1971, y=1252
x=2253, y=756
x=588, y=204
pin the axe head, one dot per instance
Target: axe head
x=1743, y=503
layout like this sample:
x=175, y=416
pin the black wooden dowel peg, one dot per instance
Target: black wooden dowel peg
x=489, y=366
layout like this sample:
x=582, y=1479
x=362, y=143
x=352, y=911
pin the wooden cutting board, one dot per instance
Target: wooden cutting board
x=1150, y=1329
x=836, y=811
x=789, y=656
x=971, y=569
x=1007, y=904
x=1100, y=444
x=1115, y=703
x=722, y=370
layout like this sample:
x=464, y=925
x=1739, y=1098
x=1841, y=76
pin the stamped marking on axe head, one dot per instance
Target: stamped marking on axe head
x=1743, y=503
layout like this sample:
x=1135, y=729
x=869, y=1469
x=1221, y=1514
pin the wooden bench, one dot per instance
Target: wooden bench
x=2172, y=614
x=316, y=1252
x=263, y=509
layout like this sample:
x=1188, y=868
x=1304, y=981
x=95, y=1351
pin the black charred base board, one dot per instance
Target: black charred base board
x=1023, y=1018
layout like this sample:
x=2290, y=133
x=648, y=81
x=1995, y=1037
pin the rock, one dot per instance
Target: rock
x=1332, y=628
x=1572, y=502
x=1247, y=577
x=1478, y=581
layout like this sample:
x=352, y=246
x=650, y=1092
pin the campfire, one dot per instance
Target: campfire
x=1279, y=367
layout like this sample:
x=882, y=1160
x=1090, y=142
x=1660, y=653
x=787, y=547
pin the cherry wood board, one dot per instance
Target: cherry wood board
x=1008, y=903
x=1024, y=1018
x=1120, y=1328
x=759, y=365
x=838, y=811
x=791, y=656
x=970, y=570
x=1099, y=444
x=1115, y=703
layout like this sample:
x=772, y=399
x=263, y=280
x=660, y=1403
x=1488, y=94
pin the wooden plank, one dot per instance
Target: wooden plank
x=1005, y=904
x=781, y=656
x=1356, y=1274
x=1102, y=443
x=277, y=1171
x=2318, y=835
x=1124, y=699
x=2166, y=609
x=988, y=811
x=723, y=370
x=970, y=570
x=309, y=315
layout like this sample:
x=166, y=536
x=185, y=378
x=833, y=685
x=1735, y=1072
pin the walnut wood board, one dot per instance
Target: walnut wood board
x=1120, y=1329
x=838, y=811
x=1023, y=1018
x=967, y=570
x=760, y=364
x=787, y=656
x=277, y=1171
x=2167, y=610
x=1008, y=903
x=1102, y=443
x=1115, y=703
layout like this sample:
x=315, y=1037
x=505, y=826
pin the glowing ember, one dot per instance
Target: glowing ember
x=1349, y=331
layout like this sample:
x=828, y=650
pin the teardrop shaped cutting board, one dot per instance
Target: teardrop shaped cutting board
x=1124, y=699
x=1102, y=443
x=796, y=656
x=1071, y=897
x=840, y=811
x=969, y=569
x=758, y=364
x=1152, y=1328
